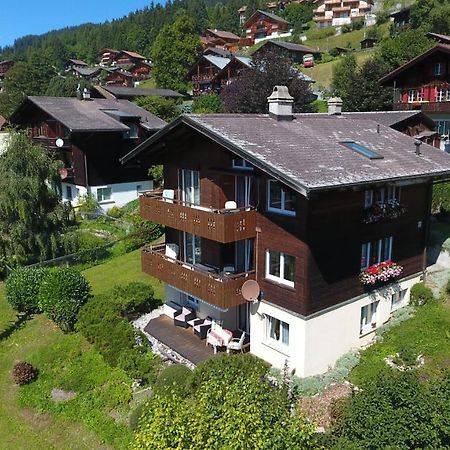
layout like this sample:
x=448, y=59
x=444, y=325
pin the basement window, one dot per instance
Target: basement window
x=364, y=151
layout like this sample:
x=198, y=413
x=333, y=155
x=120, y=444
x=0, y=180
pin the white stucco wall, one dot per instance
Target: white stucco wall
x=316, y=343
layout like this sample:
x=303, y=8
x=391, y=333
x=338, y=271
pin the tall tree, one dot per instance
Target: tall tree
x=249, y=92
x=174, y=51
x=32, y=217
x=343, y=73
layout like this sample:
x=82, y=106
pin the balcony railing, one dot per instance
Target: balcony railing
x=51, y=142
x=220, y=225
x=223, y=291
x=389, y=210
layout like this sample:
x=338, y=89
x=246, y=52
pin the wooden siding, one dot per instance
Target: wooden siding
x=217, y=225
x=221, y=291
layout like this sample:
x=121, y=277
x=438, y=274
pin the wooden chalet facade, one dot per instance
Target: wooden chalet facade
x=89, y=137
x=120, y=78
x=107, y=56
x=424, y=84
x=245, y=198
x=141, y=70
x=203, y=73
x=264, y=25
x=295, y=52
x=126, y=58
x=232, y=71
x=220, y=39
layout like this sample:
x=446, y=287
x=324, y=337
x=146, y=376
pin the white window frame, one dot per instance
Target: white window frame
x=241, y=163
x=283, y=326
x=441, y=95
x=397, y=299
x=390, y=192
x=281, y=278
x=366, y=325
x=281, y=210
x=412, y=95
x=100, y=190
x=438, y=69
x=367, y=247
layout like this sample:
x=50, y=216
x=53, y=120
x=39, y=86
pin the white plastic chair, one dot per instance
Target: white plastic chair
x=237, y=344
x=168, y=195
x=172, y=251
x=230, y=205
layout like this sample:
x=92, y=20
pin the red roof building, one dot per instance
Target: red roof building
x=262, y=25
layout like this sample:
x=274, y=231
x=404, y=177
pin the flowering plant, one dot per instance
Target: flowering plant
x=388, y=210
x=382, y=272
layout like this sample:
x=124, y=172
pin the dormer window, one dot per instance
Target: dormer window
x=240, y=163
x=439, y=69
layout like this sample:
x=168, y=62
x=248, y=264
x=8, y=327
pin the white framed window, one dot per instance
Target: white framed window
x=381, y=195
x=240, y=163
x=190, y=186
x=397, y=299
x=277, y=331
x=439, y=69
x=412, y=95
x=280, y=267
x=441, y=95
x=104, y=194
x=280, y=200
x=376, y=252
x=368, y=318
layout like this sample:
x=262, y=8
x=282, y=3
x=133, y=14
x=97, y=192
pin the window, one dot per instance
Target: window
x=190, y=186
x=364, y=151
x=443, y=127
x=69, y=195
x=376, y=252
x=368, y=318
x=280, y=267
x=441, y=94
x=381, y=195
x=241, y=163
x=438, y=69
x=277, y=331
x=192, y=302
x=397, y=299
x=413, y=95
x=104, y=194
x=138, y=189
x=280, y=199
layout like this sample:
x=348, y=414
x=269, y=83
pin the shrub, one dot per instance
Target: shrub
x=174, y=379
x=88, y=247
x=357, y=25
x=382, y=17
x=136, y=415
x=22, y=288
x=208, y=104
x=142, y=232
x=421, y=294
x=24, y=373
x=62, y=293
x=346, y=28
x=139, y=364
x=406, y=356
x=88, y=204
x=115, y=212
x=135, y=297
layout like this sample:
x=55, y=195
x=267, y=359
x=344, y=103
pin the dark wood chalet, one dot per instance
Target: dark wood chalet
x=424, y=84
x=90, y=136
x=295, y=52
x=220, y=39
x=141, y=70
x=106, y=56
x=262, y=24
x=328, y=213
x=232, y=70
x=126, y=58
x=120, y=78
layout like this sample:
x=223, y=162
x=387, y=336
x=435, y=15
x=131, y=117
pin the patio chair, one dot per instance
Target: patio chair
x=168, y=195
x=218, y=336
x=182, y=316
x=201, y=328
x=237, y=344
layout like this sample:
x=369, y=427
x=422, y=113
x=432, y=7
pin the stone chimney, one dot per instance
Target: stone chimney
x=280, y=103
x=335, y=106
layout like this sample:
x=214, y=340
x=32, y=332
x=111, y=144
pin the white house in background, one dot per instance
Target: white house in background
x=329, y=215
x=335, y=13
x=90, y=136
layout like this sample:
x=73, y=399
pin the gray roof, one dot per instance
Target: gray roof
x=83, y=116
x=268, y=14
x=129, y=92
x=218, y=61
x=246, y=60
x=292, y=47
x=307, y=153
x=388, y=118
x=87, y=71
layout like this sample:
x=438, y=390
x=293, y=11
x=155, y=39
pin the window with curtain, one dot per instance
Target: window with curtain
x=277, y=330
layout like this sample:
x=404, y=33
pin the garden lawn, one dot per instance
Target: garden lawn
x=121, y=270
x=426, y=333
x=78, y=425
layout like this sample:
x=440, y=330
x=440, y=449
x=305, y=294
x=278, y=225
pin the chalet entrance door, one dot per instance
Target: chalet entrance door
x=190, y=187
x=243, y=191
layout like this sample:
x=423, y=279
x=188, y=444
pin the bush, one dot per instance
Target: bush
x=346, y=28
x=88, y=204
x=24, y=373
x=139, y=364
x=136, y=415
x=406, y=356
x=135, y=298
x=421, y=294
x=208, y=104
x=22, y=289
x=174, y=379
x=88, y=247
x=115, y=212
x=382, y=17
x=62, y=293
x=357, y=25
x=142, y=232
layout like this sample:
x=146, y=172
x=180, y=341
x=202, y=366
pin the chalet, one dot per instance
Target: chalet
x=120, y=78
x=71, y=63
x=367, y=43
x=232, y=70
x=89, y=137
x=220, y=39
x=129, y=93
x=303, y=231
x=203, y=72
x=295, y=52
x=141, y=70
x=424, y=84
x=265, y=25
x=85, y=73
x=335, y=13
x=126, y=58
x=401, y=18
x=107, y=56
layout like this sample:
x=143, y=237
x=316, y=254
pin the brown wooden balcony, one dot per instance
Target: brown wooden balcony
x=223, y=291
x=50, y=143
x=220, y=225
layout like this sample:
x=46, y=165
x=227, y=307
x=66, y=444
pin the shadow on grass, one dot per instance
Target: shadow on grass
x=19, y=323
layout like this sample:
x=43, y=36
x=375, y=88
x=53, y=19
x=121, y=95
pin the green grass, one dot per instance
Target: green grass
x=121, y=270
x=148, y=84
x=426, y=333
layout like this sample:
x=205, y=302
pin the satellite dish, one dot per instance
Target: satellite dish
x=250, y=290
x=63, y=173
x=59, y=142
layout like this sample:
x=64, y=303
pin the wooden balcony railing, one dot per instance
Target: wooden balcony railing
x=223, y=291
x=50, y=143
x=220, y=225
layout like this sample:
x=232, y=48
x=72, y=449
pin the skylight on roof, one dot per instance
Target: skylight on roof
x=364, y=151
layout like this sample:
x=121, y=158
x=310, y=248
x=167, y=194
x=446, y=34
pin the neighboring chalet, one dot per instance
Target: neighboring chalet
x=90, y=136
x=335, y=13
x=86, y=73
x=126, y=58
x=231, y=71
x=203, y=72
x=264, y=25
x=120, y=77
x=329, y=215
x=401, y=18
x=424, y=84
x=368, y=42
x=107, y=56
x=128, y=93
x=220, y=39
x=141, y=70
x=296, y=52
